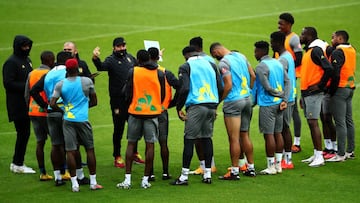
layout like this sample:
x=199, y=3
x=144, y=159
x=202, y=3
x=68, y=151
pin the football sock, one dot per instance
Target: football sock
x=288, y=157
x=212, y=162
x=328, y=144
x=242, y=162
x=57, y=175
x=297, y=141
x=235, y=170
x=270, y=162
x=202, y=165
x=74, y=182
x=128, y=178
x=80, y=173
x=93, y=179
x=207, y=173
x=184, y=174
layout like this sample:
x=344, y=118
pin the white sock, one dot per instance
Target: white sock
x=328, y=144
x=278, y=158
x=145, y=179
x=57, y=175
x=207, y=173
x=297, y=141
x=318, y=153
x=74, y=182
x=127, y=178
x=184, y=174
x=235, y=170
x=270, y=162
x=335, y=147
x=93, y=179
x=288, y=157
x=242, y=162
x=80, y=173
x=202, y=165
x=251, y=166
x=212, y=162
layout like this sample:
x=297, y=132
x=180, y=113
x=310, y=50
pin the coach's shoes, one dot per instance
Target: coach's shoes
x=124, y=185
x=308, y=160
x=179, y=182
x=119, y=162
x=337, y=158
x=318, y=161
x=138, y=159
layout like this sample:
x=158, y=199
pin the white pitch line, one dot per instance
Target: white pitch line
x=190, y=24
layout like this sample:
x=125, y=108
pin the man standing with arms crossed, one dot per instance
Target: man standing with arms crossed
x=343, y=59
x=316, y=70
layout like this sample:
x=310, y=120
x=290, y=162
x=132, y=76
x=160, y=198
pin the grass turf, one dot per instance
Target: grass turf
x=237, y=25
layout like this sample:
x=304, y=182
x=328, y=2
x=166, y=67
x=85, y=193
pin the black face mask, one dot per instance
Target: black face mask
x=120, y=53
x=25, y=53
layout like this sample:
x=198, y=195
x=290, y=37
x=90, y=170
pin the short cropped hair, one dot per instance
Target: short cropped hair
x=188, y=49
x=287, y=17
x=142, y=56
x=154, y=53
x=312, y=32
x=343, y=34
x=214, y=45
x=196, y=42
x=278, y=37
x=62, y=56
x=262, y=45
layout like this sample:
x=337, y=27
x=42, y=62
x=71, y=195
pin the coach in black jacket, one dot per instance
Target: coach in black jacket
x=117, y=65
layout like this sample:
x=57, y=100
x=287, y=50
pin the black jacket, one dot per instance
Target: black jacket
x=15, y=72
x=118, y=69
